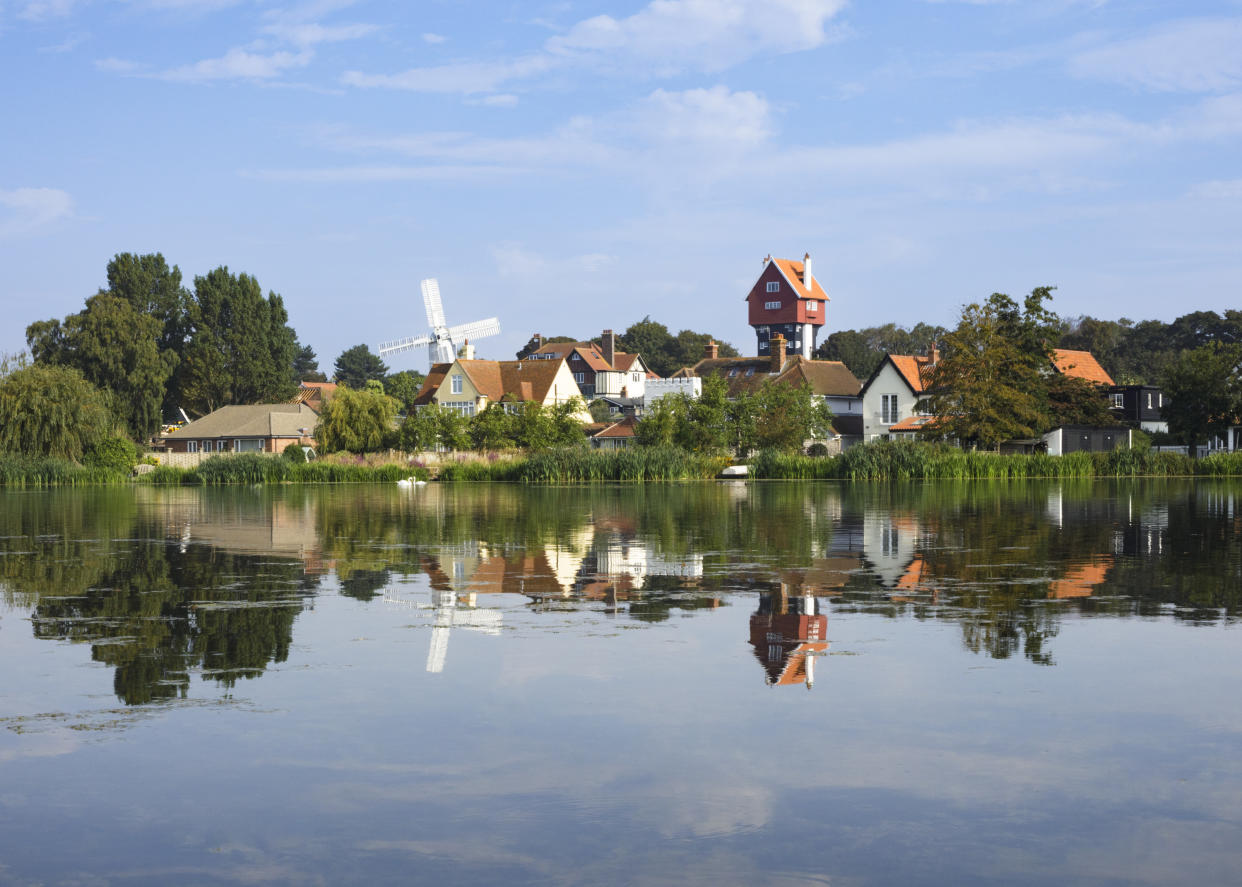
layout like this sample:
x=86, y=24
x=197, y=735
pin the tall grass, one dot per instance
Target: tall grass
x=30, y=471
x=913, y=460
x=253, y=468
x=633, y=464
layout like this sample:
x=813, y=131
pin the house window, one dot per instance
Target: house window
x=1118, y=400
x=248, y=446
x=579, y=378
x=772, y=306
x=774, y=286
x=732, y=373
x=750, y=371
x=812, y=306
x=465, y=407
x=220, y=446
x=456, y=384
x=191, y=446
x=1149, y=400
x=888, y=409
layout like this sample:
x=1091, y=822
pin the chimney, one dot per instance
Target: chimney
x=776, y=352
x=935, y=354
x=711, y=350
x=608, y=347
x=466, y=352
x=807, y=279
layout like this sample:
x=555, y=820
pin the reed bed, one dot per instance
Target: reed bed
x=27, y=471
x=912, y=460
x=252, y=468
x=634, y=464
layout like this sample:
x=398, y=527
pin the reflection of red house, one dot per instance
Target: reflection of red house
x=1082, y=580
x=787, y=634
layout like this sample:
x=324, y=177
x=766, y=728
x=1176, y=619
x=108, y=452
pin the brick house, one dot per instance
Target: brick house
x=249, y=428
x=599, y=370
x=787, y=301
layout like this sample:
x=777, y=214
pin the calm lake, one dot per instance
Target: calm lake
x=709, y=683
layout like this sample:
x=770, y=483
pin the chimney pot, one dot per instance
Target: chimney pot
x=608, y=347
x=776, y=354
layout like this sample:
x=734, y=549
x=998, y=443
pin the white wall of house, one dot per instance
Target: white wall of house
x=891, y=384
x=615, y=383
x=844, y=406
x=888, y=545
x=657, y=388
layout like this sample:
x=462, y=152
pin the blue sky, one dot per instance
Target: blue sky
x=575, y=166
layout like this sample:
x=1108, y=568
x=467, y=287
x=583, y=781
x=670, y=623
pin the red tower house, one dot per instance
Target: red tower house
x=787, y=299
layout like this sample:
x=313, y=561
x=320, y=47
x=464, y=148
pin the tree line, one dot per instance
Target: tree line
x=1132, y=352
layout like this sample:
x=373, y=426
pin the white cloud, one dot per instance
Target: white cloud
x=705, y=34
x=1221, y=189
x=27, y=209
x=240, y=64
x=117, y=66
x=664, y=37
x=716, y=117
x=1201, y=55
x=42, y=10
x=305, y=34
x=434, y=38
x=461, y=77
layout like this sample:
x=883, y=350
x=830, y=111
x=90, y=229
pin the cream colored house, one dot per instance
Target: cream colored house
x=469, y=386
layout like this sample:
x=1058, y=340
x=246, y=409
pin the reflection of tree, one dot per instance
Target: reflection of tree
x=96, y=567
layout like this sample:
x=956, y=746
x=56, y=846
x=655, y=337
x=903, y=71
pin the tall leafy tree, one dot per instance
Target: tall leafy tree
x=1204, y=391
x=115, y=346
x=990, y=384
x=358, y=364
x=241, y=348
x=48, y=410
x=306, y=365
x=357, y=421
x=153, y=289
x=404, y=386
x=663, y=352
x=786, y=416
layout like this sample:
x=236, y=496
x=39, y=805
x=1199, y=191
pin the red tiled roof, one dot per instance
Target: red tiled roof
x=1081, y=365
x=915, y=369
x=793, y=273
x=912, y=423
x=431, y=384
x=624, y=428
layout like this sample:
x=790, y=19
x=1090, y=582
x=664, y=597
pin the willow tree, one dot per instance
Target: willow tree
x=52, y=411
x=356, y=421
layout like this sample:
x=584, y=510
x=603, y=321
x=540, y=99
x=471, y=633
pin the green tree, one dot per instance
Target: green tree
x=1075, y=401
x=1204, y=394
x=356, y=421
x=786, y=416
x=704, y=425
x=565, y=424
x=358, y=364
x=52, y=411
x=663, y=352
x=660, y=423
x=306, y=365
x=241, y=348
x=452, y=429
x=155, y=290
x=990, y=385
x=404, y=386
x=420, y=430
x=115, y=347
x=492, y=429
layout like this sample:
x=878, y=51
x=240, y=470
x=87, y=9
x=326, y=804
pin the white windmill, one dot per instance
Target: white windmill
x=444, y=340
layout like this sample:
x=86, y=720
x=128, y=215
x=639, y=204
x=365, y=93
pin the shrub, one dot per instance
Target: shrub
x=294, y=453
x=115, y=453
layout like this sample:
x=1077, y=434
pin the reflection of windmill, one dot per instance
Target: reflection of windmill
x=443, y=340
x=451, y=611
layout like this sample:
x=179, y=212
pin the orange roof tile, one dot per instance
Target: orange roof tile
x=914, y=369
x=1081, y=365
x=431, y=384
x=793, y=273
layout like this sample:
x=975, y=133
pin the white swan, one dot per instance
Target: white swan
x=406, y=482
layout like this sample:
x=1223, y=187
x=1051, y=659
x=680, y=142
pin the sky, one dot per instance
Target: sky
x=575, y=166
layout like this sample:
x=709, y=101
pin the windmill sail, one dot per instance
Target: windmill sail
x=431, y=299
x=442, y=341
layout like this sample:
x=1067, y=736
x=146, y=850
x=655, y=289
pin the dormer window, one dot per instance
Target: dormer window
x=732, y=373
x=774, y=286
x=750, y=371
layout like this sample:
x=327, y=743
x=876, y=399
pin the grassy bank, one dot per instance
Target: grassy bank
x=252, y=468
x=909, y=460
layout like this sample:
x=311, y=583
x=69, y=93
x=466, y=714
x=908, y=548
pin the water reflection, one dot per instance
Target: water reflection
x=167, y=584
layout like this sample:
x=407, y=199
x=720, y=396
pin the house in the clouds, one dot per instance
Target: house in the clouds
x=787, y=301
